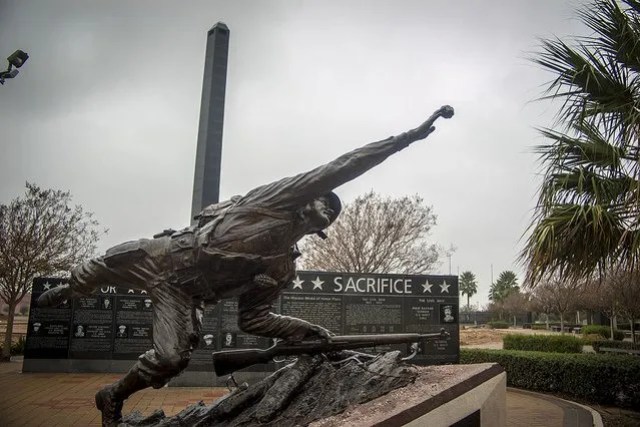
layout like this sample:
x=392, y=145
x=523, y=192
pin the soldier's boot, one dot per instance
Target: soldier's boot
x=110, y=407
x=55, y=296
x=110, y=399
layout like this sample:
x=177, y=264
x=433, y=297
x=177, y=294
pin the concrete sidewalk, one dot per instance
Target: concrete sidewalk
x=51, y=399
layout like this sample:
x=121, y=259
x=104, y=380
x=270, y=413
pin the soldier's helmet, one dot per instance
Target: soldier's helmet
x=334, y=204
x=336, y=207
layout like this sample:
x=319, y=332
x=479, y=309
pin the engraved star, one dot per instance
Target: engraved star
x=444, y=287
x=130, y=291
x=143, y=292
x=47, y=286
x=317, y=284
x=297, y=283
x=426, y=287
x=61, y=284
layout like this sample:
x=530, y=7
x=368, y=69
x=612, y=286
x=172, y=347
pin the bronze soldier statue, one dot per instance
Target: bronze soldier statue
x=242, y=247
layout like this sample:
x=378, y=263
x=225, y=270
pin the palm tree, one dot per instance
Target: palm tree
x=468, y=285
x=588, y=213
x=506, y=284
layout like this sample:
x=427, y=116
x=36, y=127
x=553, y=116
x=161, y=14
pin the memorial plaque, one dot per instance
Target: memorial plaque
x=48, y=328
x=113, y=324
x=92, y=322
x=348, y=303
x=133, y=325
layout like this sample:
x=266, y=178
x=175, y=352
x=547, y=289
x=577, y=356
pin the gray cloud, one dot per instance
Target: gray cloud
x=107, y=105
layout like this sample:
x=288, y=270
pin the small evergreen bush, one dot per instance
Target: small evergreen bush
x=17, y=348
x=602, y=330
x=625, y=345
x=547, y=343
x=498, y=324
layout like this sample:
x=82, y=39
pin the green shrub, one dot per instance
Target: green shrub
x=602, y=330
x=18, y=346
x=538, y=326
x=626, y=345
x=498, y=324
x=597, y=378
x=547, y=343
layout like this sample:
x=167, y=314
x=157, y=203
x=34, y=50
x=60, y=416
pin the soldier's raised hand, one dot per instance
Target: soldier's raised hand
x=422, y=131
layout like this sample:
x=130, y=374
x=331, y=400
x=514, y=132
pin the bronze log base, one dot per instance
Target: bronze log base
x=310, y=389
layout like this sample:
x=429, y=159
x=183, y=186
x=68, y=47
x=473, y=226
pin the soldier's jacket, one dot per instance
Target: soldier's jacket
x=255, y=233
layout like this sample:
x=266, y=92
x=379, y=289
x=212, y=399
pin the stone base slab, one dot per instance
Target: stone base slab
x=449, y=395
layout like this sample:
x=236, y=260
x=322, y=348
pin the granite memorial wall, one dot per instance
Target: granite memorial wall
x=107, y=331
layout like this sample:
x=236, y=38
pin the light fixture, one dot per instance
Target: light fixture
x=17, y=60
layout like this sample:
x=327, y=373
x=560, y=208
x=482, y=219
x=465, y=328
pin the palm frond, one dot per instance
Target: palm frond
x=594, y=86
x=589, y=148
x=562, y=241
x=617, y=32
x=583, y=185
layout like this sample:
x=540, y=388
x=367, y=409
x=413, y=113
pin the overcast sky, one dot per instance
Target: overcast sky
x=107, y=106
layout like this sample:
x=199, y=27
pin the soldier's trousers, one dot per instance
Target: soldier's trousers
x=146, y=265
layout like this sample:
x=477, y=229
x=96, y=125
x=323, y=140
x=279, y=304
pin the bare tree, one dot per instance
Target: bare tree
x=599, y=296
x=376, y=234
x=41, y=234
x=516, y=303
x=554, y=295
x=626, y=293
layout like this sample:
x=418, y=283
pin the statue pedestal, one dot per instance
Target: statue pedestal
x=384, y=391
x=449, y=395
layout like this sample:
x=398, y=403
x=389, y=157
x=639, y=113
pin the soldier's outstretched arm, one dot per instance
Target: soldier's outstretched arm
x=301, y=188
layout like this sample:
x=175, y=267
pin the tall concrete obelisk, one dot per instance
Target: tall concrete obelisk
x=206, y=184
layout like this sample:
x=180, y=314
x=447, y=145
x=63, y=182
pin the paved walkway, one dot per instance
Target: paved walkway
x=51, y=399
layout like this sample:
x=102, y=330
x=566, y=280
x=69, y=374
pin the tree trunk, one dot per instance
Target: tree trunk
x=6, y=346
x=546, y=315
x=468, y=306
x=611, y=327
x=562, y=323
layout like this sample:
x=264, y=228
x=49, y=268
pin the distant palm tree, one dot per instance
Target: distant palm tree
x=588, y=213
x=506, y=284
x=468, y=285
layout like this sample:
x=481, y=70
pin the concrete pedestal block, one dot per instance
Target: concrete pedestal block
x=442, y=396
